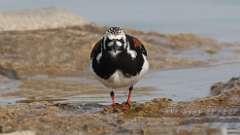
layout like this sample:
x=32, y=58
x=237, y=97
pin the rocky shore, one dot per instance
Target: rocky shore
x=35, y=61
x=65, y=51
x=159, y=116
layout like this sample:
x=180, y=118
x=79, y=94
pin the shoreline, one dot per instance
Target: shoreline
x=161, y=115
x=52, y=65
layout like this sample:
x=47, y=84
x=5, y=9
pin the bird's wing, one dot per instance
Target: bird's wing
x=96, y=49
x=137, y=44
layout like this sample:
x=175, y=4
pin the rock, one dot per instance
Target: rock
x=45, y=18
x=20, y=133
x=9, y=73
x=216, y=89
x=220, y=87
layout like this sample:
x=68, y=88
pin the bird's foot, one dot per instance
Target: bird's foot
x=126, y=105
x=116, y=107
x=121, y=107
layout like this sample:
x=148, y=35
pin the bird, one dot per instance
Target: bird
x=119, y=60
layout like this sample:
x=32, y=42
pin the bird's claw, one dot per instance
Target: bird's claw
x=116, y=107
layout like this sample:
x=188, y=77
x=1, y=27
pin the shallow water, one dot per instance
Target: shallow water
x=179, y=85
x=213, y=18
x=10, y=100
x=9, y=86
x=189, y=84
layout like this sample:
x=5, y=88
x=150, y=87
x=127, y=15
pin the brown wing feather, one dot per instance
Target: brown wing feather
x=137, y=44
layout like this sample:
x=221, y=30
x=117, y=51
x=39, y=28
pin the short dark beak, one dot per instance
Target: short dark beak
x=115, y=48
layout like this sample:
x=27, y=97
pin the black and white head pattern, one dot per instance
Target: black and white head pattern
x=114, y=40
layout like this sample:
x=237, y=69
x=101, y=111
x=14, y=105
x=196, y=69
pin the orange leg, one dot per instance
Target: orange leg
x=129, y=95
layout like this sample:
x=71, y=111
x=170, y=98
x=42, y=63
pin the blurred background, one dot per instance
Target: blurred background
x=218, y=19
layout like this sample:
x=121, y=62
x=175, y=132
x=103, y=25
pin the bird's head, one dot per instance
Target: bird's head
x=114, y=40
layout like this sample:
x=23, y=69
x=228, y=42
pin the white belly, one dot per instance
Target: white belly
x=118, y=80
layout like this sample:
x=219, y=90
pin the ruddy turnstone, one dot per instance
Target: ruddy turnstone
x=119, y=60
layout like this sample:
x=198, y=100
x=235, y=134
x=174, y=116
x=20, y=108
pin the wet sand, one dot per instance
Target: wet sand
x=161, y=116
